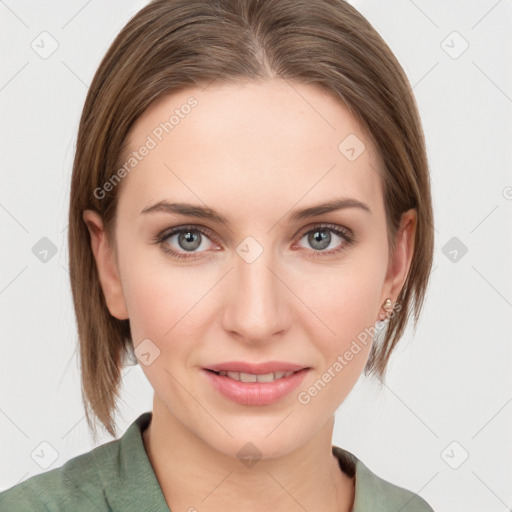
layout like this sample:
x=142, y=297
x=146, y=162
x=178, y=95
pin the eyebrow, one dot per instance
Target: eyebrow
x=212, y=215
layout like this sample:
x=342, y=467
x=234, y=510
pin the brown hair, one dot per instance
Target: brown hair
x=170, y=45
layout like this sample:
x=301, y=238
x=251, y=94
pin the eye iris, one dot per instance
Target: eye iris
x=189, y=237
x=324, y=238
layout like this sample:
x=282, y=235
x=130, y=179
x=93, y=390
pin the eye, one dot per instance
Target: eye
x=187, y=239
x=187, y=242
x=321, y=237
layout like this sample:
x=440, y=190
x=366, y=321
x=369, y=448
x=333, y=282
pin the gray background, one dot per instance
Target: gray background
x=440, y=426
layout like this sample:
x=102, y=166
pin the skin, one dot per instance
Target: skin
x=253, y=152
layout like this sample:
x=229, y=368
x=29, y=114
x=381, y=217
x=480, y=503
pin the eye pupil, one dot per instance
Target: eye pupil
x=321, y=236
x=189, y=240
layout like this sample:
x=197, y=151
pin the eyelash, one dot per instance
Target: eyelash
x=164, y=235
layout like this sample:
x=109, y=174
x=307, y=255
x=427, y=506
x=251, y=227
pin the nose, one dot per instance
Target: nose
x=256, y=307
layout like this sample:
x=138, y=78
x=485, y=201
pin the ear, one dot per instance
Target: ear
x=404, y=250
x=106, y=265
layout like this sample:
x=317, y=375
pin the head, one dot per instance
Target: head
x=253, y=111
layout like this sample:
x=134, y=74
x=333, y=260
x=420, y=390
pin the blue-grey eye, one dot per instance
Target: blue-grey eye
x=319, y=239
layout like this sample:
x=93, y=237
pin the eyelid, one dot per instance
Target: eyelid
x=184, y=227
x=345, y=233
x=167, y=233
x=327, y=226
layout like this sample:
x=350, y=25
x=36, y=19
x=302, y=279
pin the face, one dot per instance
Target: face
x=265, y=283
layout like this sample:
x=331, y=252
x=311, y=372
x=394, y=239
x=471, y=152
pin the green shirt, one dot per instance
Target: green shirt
x=118, y=476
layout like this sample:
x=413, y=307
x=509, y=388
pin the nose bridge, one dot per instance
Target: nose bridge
x=254, y=308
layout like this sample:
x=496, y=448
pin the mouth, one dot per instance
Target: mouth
x=244, y=371
x=253, y=377
x=255, y=385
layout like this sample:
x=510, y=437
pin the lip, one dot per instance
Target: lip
x=256, y=368
x=256, y=393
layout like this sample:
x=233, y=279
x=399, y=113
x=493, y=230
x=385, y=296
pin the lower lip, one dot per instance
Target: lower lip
x=256, y=393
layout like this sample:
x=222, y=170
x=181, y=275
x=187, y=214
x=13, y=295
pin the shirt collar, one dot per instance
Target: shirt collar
x=129, y=479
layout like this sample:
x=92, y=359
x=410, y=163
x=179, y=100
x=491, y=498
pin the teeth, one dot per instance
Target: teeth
x=268, y=377
x=251, y=377
x=247, y=377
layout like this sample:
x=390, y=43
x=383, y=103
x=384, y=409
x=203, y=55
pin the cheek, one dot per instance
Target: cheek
x=157, y=299
x=347, y=305
x=160, y=303
x=343, y=338
x=348, y=299
x=168, y=304
x=152, y=293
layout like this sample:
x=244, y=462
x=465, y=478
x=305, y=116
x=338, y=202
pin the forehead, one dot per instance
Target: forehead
x=250, y=145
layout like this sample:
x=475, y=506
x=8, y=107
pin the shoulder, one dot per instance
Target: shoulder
x=375, y=493
x=394, y=496
x=77, y=485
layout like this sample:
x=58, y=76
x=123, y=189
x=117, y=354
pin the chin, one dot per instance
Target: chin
x=259, y=441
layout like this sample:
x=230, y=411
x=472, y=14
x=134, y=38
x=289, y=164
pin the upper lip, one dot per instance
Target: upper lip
x=256, y=368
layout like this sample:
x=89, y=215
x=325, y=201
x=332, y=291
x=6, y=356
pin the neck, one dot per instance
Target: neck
x=194, y=475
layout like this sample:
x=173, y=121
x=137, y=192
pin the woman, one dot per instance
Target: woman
x=251, y=219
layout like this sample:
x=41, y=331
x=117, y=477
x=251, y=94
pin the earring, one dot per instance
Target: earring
x=388, y=307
